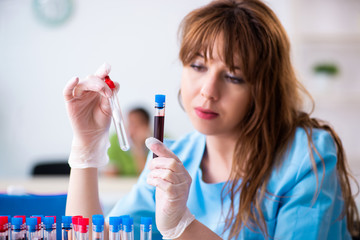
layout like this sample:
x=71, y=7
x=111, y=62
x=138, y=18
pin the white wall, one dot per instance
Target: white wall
x=139, y=39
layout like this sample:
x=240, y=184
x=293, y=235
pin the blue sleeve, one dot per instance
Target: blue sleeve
x=309, y=210
x=140, y=202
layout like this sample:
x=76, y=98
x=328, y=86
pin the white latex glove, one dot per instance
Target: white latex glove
x=90, y=116
x=172, y=182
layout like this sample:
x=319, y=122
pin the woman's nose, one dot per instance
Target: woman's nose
x=210, y=89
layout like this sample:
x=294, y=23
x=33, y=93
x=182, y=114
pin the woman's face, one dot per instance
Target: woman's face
x=215, y=99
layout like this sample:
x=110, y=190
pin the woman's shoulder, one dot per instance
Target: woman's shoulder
x=321, y=142
x=186, y=142
x=189, y=148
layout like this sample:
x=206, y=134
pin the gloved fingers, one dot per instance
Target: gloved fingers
x=103, y=70
x=173, y=192
x=159, y=148
x=167, y=175
x=92, y=84
x=69, y=88
x=167, y=163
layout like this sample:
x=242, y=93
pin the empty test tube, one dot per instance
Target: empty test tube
x=66, y=226
x=23, y=225
x=75, y=222
x=146, y=228
x=49, y=228
x=9, y=224
x=32, y=228
x=4, y=228
x=16, y=229
x=97, y=227
x=114, y=228
x=127, y=228
x=117, y=116
x=83, y=229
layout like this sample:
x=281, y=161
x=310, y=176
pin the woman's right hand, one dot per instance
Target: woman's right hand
x=89, y=111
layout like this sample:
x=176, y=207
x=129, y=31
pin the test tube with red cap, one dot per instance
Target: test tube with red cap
x=117, y=116
x=4, y=228
x=75, y=222
x=9, y=224
x=83, y=229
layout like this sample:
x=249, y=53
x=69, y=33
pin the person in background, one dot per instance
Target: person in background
x=132, y=162
x=258, y=165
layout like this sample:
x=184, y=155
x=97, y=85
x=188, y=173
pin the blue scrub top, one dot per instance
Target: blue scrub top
x=290, y=211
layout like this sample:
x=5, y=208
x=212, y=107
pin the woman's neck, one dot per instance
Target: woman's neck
x=217, y=159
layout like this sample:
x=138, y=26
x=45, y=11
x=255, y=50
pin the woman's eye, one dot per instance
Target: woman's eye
x=198, y=67
x=235, y=80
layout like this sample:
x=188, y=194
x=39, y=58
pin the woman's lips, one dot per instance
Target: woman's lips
x=205, y=113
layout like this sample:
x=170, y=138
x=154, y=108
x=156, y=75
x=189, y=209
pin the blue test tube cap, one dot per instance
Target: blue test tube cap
x=98, y=223
x=159, y=100
x=127, y=223
x=147, y=222
x=115, y=223
x=66, y=221
x=16, y=222
x=31, y=223
x=42, y=217
x=48, y=223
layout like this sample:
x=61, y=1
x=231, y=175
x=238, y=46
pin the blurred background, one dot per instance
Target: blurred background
x=43, y=43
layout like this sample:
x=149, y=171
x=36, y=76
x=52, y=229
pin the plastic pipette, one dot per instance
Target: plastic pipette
x=117, y=116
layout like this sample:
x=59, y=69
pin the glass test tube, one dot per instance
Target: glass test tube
x=127, y=228
x=39, y=230
x=49, y=228
x=83, y=229
x=4, y=228
x=23, y=225
x=114, y=228
x=146, y=228
x=117, y=116
x=98, y=227
x=32, y=228
x=66, y=227
x=75, y=222
x=159, y=118
x=16, y=225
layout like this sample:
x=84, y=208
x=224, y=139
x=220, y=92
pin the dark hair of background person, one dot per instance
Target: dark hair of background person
x=252, y=33
x=143, y=113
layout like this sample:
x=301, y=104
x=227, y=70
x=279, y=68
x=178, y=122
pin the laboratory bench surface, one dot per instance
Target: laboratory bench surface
x=111, y=189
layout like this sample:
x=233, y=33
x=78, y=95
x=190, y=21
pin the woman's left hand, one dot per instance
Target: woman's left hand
x=172, y=182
